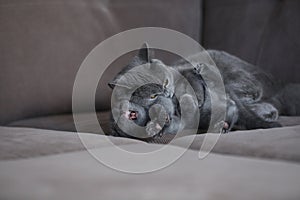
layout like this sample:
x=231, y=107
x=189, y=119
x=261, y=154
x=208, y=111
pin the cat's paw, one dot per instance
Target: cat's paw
x=153, y=129
x=265, y=111
x=188, y=104
x=223, y=127
x=189, y=110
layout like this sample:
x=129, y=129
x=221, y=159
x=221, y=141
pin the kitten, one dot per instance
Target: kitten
x=253, y=100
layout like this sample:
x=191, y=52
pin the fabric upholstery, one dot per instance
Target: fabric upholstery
x=43, y=44
x=17, y=143
x=78, y=176
x=277, y=143
x=65, y=122
x=263, y=32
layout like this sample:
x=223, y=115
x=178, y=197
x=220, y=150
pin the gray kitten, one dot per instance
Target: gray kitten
x=253, y=100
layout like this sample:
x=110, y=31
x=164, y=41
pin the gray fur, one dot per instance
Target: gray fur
x=253, y=100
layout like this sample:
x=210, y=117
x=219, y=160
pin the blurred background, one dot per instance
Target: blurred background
x=43, y=43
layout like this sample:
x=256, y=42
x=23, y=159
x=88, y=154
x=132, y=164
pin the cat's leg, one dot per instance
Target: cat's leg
x=189, y=109
x=248, y=119
x=231, y=116
x=287, y=100
x=153, y=129
x=163, y=118
x=158, y=119
x=172, y=125
x=247, y=91
x=265, y=111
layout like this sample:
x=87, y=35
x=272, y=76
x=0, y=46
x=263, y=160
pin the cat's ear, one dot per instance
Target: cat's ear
x=145, y=53
x=113, y=84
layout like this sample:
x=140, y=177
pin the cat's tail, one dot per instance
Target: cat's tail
x=287, y=100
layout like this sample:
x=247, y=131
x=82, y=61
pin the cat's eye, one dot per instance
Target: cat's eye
x=153, y=96
x=166, y=82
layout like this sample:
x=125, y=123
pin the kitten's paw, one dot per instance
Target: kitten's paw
x=223, y=127
x=188, y=104
x=153, y=129
x=265, y=111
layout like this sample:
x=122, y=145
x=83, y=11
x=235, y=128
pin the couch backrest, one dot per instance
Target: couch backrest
x=263, y=32
x=43, y=43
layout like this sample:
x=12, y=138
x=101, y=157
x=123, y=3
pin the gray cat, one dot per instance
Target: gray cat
x=253, y=100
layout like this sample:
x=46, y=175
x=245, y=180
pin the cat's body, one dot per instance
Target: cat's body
x=253, y=99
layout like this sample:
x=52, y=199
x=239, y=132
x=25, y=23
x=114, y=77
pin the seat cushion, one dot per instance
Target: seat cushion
x=77, y=175
x=276, y=143
x=279, y=143
x=65, y=122
x=16, y=143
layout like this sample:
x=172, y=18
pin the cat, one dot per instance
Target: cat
x=253, y=100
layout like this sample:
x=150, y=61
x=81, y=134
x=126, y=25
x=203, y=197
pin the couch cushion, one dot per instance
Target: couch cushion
x=276, y=143
x=16, y=143
x=77, y=176
x=65, y=122
x=43, y=44
x=263, y=32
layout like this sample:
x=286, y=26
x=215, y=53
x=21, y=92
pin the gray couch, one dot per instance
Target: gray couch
x=43, y=43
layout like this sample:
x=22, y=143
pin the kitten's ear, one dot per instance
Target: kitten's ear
x=145, y=53
x=113, y=84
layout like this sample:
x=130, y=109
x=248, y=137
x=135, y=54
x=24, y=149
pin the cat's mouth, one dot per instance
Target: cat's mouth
x=132, y=115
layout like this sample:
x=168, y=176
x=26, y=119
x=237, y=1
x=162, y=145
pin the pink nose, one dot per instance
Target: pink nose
x=132, y=115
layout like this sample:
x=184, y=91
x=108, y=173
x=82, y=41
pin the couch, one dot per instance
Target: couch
x=42, y=45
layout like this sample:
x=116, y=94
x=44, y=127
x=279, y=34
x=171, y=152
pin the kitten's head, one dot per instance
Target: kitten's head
x=146, y=81
x=144, y=69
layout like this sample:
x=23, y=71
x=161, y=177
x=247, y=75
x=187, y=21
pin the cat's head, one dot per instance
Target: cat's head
x=147, y=82
x=144, y=69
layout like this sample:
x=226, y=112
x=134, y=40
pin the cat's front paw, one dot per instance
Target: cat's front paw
x=222, y=127
x=225, y=128
x=153, y=129
x=265, y=111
